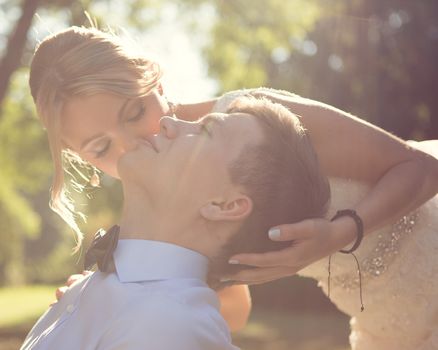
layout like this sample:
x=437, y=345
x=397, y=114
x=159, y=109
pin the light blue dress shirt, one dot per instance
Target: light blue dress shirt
x=157, y=299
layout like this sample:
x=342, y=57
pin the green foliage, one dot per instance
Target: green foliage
x=16, y=207
x=376, y=59
x=25, y=168
x=24, y=304
x=138, y=15
x=24, y=159
x=54, y=266
x=245, y=36
x=24, y=151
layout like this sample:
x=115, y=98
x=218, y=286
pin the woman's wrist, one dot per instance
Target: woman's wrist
x=344, y=231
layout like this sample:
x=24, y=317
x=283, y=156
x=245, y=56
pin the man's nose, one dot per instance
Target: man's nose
x=169, y=127
x=172, y=127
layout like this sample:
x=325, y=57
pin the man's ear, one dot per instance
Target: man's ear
x=234, y=209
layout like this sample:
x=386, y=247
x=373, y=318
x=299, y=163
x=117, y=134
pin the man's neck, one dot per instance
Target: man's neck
x=140, y=220
x=143, y=219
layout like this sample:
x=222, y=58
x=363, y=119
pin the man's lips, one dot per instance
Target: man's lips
x=151, y=143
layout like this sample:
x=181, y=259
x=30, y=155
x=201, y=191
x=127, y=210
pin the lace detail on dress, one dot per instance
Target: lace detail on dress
x=378, y=261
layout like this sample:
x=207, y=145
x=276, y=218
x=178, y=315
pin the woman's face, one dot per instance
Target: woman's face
x=102, y=127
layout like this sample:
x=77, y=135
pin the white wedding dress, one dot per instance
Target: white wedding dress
x=399, y=266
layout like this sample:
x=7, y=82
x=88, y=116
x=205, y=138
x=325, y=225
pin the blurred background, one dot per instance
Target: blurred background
x=376, y=59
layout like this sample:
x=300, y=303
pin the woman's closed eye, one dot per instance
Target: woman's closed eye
x=103, y=151
x=138, y=115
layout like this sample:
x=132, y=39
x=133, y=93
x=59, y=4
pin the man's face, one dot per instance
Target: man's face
x=185, y=165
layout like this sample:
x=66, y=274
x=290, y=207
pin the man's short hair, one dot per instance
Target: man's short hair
x=281, y=175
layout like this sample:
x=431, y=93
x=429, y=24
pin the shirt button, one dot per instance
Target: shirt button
x=70, y=308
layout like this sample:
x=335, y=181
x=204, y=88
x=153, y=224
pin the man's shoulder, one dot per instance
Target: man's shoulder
x=158, y=314
x=164, y=321
x=168, y=305
x=149, y=298
x=137, y=302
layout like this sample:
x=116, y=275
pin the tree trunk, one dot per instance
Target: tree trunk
x=14, y=49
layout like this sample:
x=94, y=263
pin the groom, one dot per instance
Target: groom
x=195, y=194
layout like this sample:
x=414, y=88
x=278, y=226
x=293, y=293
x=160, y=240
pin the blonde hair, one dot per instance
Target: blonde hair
x=75, y=62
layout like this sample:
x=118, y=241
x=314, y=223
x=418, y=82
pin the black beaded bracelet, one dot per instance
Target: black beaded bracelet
x=359, y=225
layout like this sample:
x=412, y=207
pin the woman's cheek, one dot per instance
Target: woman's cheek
x=151, y=125
x=107, y=166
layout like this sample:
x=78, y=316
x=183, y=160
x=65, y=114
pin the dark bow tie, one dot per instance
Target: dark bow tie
x=101, y=249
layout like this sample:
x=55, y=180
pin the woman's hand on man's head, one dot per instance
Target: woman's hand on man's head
x=311, y=240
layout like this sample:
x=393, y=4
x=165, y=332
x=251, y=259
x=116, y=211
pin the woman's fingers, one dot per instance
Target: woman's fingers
x=290, y=232
x=60, y=292
x=77, y=277
x=73, y=278
x=269, y=259
x=261, y=275
x=308, y=242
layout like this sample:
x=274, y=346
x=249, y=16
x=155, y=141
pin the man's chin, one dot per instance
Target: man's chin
x=132, y=164
x=134, y=189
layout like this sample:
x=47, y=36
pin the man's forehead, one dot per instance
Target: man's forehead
x=222, y=116
x=236, y=124
x=214, y=117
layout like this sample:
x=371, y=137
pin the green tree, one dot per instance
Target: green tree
x=33, y=244
x=376, y=59
x=25, y=168
x=247, y=37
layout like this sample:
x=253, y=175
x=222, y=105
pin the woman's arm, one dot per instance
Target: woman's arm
x=192, y=112
x=401, y=176
x=348, y=147
x=235, y=306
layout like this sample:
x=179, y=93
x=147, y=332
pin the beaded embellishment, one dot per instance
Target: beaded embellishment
x=381, y=257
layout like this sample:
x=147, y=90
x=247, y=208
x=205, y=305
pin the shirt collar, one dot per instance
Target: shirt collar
x=139, y=260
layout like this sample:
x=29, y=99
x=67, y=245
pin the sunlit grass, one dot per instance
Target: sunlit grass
x=21, y=305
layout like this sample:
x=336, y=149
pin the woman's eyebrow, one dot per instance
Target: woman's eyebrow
x=97, y=136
